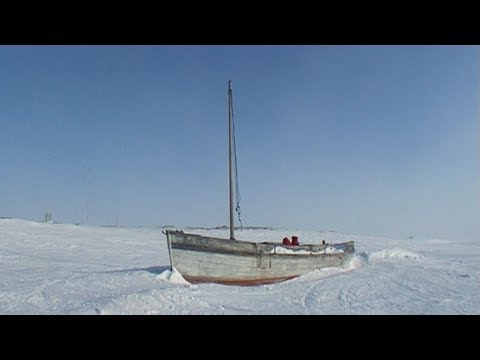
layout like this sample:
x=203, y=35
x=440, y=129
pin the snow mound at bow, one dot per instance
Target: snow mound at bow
x=172, y=276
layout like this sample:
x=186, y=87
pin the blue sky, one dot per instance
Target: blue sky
x=379, y=140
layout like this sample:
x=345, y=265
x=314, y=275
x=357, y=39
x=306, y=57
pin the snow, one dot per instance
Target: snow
x=393, y=255
x=48, y=268
x=284, y=250
x=332, y=250
x=173, y=276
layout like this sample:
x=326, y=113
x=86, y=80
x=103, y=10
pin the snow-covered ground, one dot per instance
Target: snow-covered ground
x=48, y=268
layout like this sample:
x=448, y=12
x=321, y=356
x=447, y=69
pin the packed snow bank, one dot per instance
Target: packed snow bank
x=173, y=277
x=355, y=262
x=392, y=255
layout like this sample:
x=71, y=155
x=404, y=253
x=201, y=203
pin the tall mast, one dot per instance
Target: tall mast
x=230, y=167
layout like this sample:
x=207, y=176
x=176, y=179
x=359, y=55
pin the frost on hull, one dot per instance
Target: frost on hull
x=232, y=262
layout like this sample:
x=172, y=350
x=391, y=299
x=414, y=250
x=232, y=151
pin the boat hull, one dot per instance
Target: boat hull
x=232, y=262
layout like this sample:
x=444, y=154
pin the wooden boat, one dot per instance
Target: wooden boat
x=234, y=262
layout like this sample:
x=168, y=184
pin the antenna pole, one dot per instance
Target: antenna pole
x=230, y=181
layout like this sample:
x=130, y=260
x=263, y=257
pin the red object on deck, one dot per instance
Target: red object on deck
x=295, y=241
x=286, y=241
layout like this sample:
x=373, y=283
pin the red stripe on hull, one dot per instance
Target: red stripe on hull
x=245, y=282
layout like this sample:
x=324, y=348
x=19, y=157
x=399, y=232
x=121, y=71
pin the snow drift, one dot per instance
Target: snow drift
x=49, y=268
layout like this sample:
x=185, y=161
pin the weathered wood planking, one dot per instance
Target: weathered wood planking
x=206, y=259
